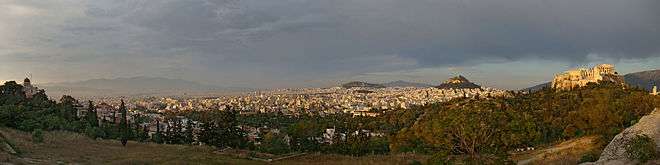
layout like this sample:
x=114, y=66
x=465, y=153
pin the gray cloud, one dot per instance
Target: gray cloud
x=279, y=42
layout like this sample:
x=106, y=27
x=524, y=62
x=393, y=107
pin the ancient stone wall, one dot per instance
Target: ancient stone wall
x=581, y=77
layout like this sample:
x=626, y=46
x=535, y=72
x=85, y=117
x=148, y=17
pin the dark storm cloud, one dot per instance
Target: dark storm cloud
x=283, y=40
x=431, y=32
x=550, y=29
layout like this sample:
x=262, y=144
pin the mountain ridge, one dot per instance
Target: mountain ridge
x=140, y=85
x=402, y=83
x=360, y=84
x=643, y=79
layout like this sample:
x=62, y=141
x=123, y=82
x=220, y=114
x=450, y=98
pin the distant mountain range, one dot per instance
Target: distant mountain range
x=645, y=80
x=402, y=83
x=538, y=87
x=356, y=84
x=136, y=86
x=399, y=83
x=133, y=86
x=458, y=82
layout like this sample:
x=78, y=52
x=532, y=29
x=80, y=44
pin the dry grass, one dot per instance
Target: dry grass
x=66, y=147
x=348, y=160
x=568, y=152
x=72, y=148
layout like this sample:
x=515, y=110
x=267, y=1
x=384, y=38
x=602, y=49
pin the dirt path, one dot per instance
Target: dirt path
x=569, y=151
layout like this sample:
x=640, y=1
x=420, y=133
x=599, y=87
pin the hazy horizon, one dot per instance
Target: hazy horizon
x=508, y=44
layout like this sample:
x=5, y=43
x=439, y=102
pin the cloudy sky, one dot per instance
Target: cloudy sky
x=295, y=43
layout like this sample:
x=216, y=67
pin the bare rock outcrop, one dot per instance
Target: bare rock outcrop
x=615, y=152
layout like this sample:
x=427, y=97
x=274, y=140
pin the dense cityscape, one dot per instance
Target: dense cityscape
x=330, y=82
x=367, y=118
x=356, y=101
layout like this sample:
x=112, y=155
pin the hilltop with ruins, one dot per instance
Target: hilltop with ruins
x=582, y=76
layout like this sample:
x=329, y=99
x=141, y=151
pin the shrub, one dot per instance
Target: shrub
x=589, y=157
x=6, y=116
x=641, y=148
x=29, y=125
x=415, y=162
x=439, y=158
x=472, y=159
x=38, y=136
x=93, y=132
x=53, y=122
x=252, y=154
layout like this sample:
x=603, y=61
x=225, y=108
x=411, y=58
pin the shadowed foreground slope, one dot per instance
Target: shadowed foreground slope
x=67, y=147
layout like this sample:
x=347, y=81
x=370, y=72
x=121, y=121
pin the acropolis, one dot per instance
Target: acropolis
x=582, y=76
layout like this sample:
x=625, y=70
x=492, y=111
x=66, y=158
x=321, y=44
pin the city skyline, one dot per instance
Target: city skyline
x=509, y=44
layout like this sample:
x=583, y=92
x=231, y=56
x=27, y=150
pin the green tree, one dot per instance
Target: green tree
x=220, y=129
x=92, y=116
x=174, y=132
x=274, y=143
x=189, y=134
x=123, y=124
x=304, y=133
x=158, y=136
x=67, y=107
x=40, y=99
x=11, y=93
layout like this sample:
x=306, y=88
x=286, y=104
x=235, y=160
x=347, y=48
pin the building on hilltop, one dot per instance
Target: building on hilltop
x=28, y=89
x=582, y=76
x=458, y=82
x=654, y=91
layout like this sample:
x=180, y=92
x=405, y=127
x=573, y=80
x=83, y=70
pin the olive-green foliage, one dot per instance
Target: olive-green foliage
x=589, y=157
x=220, y=129
x=94, y=132
x=469, y=159
x=642, y=148
x=497, y=125
x=92, y=116
x=39, y=114
x=274, y=143
x=174, y=133
x=189, y=133
x=124, y=131
x=38, y=136
x=415, y=162
x=304, y=132
x=11, y=93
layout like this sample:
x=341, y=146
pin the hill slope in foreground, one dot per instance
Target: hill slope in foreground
x=67, y=148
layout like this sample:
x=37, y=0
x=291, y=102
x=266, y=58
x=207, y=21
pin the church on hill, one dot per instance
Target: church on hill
x=29, y=89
